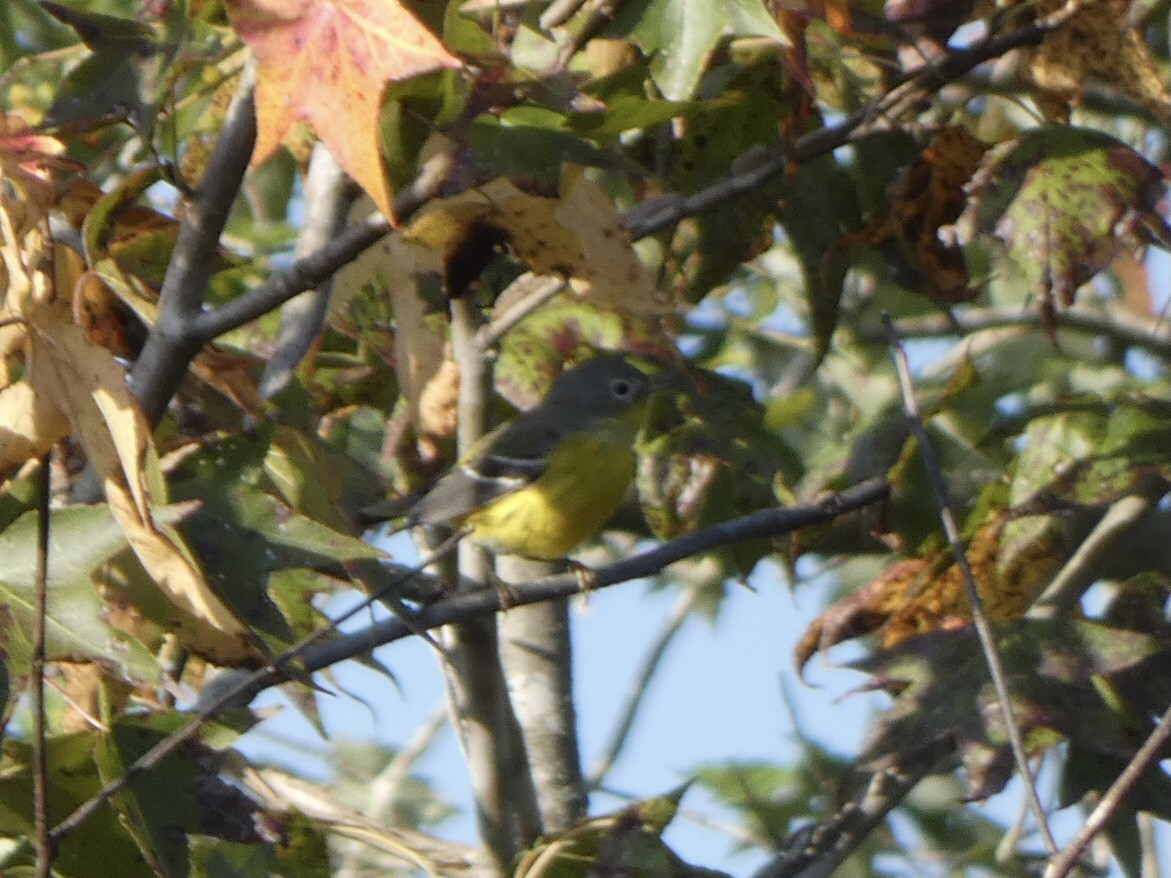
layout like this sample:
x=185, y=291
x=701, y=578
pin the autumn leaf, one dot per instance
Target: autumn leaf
x=79, y=387
x=1064, y=201
x=1099, y=42
x=929, y=195
x=919, y=595
x=326, y=62
x=578, y=236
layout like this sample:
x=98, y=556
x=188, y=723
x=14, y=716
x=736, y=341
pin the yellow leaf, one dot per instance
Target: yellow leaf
x=31, y=424
x=578, y=236
x=89, y=387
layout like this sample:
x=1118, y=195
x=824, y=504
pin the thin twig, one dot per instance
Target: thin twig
x=816, y=850
x=642, y=680
x=315, y=653
x=1153, y=334
x=40, y=767
x=1149, y=753
x=305, y=274
x=1062, y=594
x=386, y=786
x=541, y=290
x=238, y=691
x=979, y=617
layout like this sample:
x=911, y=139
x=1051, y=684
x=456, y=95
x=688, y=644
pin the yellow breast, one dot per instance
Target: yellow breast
x=584, y=482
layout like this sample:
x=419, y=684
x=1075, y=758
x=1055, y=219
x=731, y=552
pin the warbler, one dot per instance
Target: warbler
x=544, y=482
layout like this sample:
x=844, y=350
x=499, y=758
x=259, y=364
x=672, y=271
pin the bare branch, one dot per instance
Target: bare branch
x=174, y=340
x=1148, y=754
x=482, y=714
x=1126, y=327
x=305, y=274
x=328, y=196
x=315, y=654
x=40, y=767
x=1078, y=573
x=537, y=656
x=816, y=850
x=979, y=617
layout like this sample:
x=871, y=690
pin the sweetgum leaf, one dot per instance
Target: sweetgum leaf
x=1064, y=201
x=945, y=694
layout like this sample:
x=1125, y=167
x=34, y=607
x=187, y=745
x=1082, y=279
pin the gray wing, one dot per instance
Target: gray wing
x=488, y=475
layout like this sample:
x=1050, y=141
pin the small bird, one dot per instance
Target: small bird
x=550, y=478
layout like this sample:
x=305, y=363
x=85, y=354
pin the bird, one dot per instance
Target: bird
x=544, y=482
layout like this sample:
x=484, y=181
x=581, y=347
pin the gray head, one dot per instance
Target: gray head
x=606, y=385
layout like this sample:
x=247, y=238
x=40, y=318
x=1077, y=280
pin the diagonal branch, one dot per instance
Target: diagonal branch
x=760, y=165
x=314, y=655
x=979, y=617
x=172, y=341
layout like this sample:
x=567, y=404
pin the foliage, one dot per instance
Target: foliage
x=731, y=192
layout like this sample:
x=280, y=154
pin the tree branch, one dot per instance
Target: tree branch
x=174, y=339
x=1148, y=754
x=314, y=654
x=40, y=766
x=329, y=193
x=1131, y=329
x=816, y=850
x=759, y=165
x=979, y=617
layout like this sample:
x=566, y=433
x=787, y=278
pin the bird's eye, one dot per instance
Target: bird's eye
x=620, y=387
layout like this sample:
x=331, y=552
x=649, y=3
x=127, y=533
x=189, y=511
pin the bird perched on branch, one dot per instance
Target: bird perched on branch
x=544, y=482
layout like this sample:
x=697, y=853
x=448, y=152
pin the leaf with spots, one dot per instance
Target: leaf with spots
x=1064, y=201
x=326, y=62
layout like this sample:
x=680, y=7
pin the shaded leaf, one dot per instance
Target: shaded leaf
x=81, y=538
x=943, y=693
x=578, y=236
x=100, y=846
x=679, y=36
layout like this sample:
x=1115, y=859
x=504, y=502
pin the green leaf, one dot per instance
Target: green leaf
x=679, y=36
x=100, y=846
x=1064, y=201
x=124, y=78
x=80, y=538
x=820, y=205
x=512, y=146
x=157, y=806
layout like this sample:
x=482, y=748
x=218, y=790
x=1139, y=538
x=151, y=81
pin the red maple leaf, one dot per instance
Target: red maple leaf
x=326, y=62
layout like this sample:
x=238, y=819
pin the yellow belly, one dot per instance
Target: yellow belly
x=580, y=490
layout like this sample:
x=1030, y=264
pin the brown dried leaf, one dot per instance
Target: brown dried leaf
x=89, y=388
x=927, y=197
x=29, y=425
x=578, y=236
x=1095, y=43
x=920, y=595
